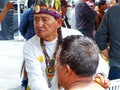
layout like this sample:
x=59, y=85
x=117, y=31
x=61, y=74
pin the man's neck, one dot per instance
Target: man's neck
x=50, y=38
x=78, y=83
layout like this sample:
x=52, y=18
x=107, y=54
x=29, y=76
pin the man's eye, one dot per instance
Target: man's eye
x=45, y=19
x=36, y=19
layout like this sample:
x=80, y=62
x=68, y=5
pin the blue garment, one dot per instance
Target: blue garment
x=110, y=29
x=85, y=18
x=24, y=84
x=7, y=32
x=26, y=24
x=87, y=32
x=30, y=2
x=114, y=73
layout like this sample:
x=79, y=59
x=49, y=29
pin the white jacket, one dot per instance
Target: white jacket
x=35, y=68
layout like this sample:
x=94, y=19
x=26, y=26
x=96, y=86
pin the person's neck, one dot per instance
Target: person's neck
x=79, y=83
x=50, y=38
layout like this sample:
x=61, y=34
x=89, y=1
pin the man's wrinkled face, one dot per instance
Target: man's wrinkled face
x=59, y=68
x=45, y=25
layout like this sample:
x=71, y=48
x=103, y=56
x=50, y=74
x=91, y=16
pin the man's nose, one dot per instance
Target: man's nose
x=40, y=23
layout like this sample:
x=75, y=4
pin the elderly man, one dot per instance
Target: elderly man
x=40, y=51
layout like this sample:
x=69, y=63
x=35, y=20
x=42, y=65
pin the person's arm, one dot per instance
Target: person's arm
x=102, y=80
x=101, y=35
x=97, y=23
x=7, y=7
x=36, y=80
x=105, y=52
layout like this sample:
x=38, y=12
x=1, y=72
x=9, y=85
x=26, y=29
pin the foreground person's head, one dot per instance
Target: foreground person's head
x=77, y=58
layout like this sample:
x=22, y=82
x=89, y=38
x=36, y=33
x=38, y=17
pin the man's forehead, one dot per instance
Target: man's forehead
x=43, y=15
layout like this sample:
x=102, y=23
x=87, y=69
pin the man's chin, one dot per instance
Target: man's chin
x=39, y=35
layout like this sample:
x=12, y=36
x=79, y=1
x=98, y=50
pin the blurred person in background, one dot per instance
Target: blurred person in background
x=85, y=18
x=102, y=6
x=64, y=8
x=26, y=23
x=110, y=29
x=8, y=6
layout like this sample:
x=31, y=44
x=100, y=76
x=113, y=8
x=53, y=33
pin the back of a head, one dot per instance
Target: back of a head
x=81, y=54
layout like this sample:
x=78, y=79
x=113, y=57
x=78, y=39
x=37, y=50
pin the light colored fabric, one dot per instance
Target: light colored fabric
x=114, y=84
x=26, y=3
x=35, y=61
x=73, y=21
x=103, y=66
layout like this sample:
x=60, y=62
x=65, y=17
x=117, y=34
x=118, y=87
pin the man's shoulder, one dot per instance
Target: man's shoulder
x=68, y=32
x=34, y=40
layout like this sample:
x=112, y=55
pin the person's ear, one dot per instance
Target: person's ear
x=67, y=71
x=59, y=20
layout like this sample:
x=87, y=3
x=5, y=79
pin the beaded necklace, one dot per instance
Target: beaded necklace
x=50, y=63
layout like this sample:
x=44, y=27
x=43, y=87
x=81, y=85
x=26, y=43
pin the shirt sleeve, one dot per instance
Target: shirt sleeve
x=85, y=12
x=36, y=80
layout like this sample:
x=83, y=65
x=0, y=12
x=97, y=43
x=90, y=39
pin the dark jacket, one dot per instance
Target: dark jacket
x=110, y=29
x=26, y=24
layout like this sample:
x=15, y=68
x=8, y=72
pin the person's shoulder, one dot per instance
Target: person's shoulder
x=34, y=40
x=114, y=8
x=79, y=4
x=68, y=32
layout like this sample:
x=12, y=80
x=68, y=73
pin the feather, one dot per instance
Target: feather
x=46, y=3
x=57, y=4
x=52, y=3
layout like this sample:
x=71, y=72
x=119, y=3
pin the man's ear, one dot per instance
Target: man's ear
x=59, y=20
x=67, y=71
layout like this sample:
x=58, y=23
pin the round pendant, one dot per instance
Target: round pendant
x=50, y=71
x=37, y=9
